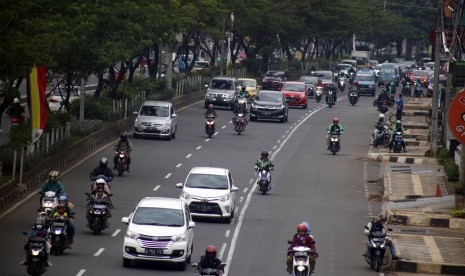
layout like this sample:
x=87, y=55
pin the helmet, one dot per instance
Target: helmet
x=210, y=106
x=386, y=84
x=15, y=100
x=381, y=116
x=210, y=252
x=103, y=162
x=124, y=135
x=308, y=226
x=301, y=228
x=264, y=153
x=63, y=198
x=335, y=120
x=398, y=122
x=380, y=218
x=243, y=88
x=100, y=181
x=53, y=175
x=40, y=223
x=393, y=83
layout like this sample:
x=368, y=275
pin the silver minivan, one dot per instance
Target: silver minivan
x=156, y=119
x=220, y=92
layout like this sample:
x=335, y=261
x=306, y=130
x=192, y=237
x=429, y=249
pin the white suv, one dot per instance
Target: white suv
x=209, y=192
x=160, y=229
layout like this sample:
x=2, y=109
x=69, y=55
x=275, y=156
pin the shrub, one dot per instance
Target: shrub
x=443, y=154
x=458, y=213
x=255, y=67
x=452, y=170
x=94, y=109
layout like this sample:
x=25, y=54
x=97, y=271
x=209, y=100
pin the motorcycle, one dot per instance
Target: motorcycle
x=330, y=98
x=98, y=212
x=334, y=145
x=58, y=227
x=353, y=97
x=398, y=141
x=240, y=100
x=16, y=120
x=35, y=256
x=49, y=202
x=382, y=137
x=264, y=181
x=209, y=271
x=318, y=93
x=341, y=82
x=239, y=123
x=210, y=126
x=300, y=261
x=121, y=162
x=407, y=90
x=376, y=249
x=418, y=91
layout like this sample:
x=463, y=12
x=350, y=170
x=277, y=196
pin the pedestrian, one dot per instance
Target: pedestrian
x=399, y=107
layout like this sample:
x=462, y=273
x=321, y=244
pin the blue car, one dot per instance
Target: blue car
x=365, y=84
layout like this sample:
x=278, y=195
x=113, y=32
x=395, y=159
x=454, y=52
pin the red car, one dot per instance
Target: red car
x=422, y=75
x=296, y=93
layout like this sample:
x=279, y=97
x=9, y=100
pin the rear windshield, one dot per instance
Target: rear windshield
x=297, y=87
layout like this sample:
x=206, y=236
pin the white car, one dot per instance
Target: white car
x=160, y=229
x=209, y=192
x=156, y=119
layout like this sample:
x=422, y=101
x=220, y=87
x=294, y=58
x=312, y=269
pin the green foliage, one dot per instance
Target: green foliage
x=452, y=170
x=458, y=213
x=20, y=135
x=255, y=67
x=94, y=109
x=443, y=153
x=458, y=189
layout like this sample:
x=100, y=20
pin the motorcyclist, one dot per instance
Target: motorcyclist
x=242, y=93
x=392, y=88
x=382, y=97
x=102, y=169
x=68, y=209
x=123, y=145
x=334, y=127
x=100, y=195
x=351, y=71
x=418, y=86
x=100, y=182
x=39, y=230
x=264, y=163
x=16, y=110
x=240, y=108
x=302, y=238
x=53, y=184
x=209, y=260
x=210, y=112
x=331, y=87
x=379, y=126
x=313, y=69
x=397, y=128
x=378, y=225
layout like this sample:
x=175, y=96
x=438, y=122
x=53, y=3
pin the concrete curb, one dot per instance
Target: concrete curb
x=401, y=159
x=425, y=220
x=432, y=268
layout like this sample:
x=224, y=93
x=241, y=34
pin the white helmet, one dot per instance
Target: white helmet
x=398, y=122
x=100, y=181
x=15, y=100
x=381, y=116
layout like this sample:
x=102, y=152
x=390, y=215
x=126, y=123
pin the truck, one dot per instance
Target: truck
x=362, y=58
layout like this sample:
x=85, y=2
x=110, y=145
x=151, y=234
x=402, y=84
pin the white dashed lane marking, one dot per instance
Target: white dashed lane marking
x=168, y=175
x=223, y=127
x=157, y=187
x=189, y=155
x=245, y=190
x=178, y=165
x=199, y=147
x=99, y=252
x=227, y=233
x=81, y=272
x=116, y=232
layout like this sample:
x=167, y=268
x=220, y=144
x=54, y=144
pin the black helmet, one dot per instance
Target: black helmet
x=243, y=88
x=103, y=162
x=264, y=154
x=124, y=136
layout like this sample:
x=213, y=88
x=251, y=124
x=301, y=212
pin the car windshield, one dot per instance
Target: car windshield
x=269, y=97
x=156, y=111
x=421, y=73
x=386, y=72
x=158, y=216
x=246, y=83
x=364, y=78
x=270, y=74
x=295, y=87
x=207, y=181
x=307, y=79
x=222, y=84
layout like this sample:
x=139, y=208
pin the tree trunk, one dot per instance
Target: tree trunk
x=99, y=88
x=399, y=47
x=409, y=49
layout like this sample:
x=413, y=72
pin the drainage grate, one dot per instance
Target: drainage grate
x=401, y=168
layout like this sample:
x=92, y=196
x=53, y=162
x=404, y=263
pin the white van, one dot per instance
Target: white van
x=352, y=62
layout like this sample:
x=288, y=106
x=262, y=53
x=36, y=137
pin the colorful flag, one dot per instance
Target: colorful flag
x=37, y=84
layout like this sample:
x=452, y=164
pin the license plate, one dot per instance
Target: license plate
x=292, y=100
x=151, y=128
x=266, y=113
x=150, y=251
x=205, y=208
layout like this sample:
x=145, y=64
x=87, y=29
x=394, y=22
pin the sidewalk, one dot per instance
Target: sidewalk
x=417, y=203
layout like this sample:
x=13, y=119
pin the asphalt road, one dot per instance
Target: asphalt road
x=309, y=184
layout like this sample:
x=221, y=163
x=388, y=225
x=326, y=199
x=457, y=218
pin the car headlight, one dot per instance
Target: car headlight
x=186, y=195
x=254, y=105
x=230, y=96
x=132, y=235
x=166, y=124
x=179, y=238
x=224, y=198
x=281, y=106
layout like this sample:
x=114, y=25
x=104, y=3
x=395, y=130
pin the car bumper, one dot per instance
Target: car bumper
x=177, y=252
x=219, y=101
x=143, y=131
x=366, y=90
x=297, y=101
x=267, y=114
x=210, y=209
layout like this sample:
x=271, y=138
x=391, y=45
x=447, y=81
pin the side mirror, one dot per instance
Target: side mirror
x=289, y=242
x=206, y=85
x=191, y=224
x=174, y=115
x=125, y=220
x=178, y=185
x=135, y=113
x=366, y=227
x=258, y=87
x=195, y=265
x=234, y=188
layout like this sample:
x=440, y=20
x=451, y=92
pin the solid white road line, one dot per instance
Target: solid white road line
x=156, y=187
x=240, y=219
x=189, y=155
x=116, y=232
x=99, y=252
x=168, y=175
x=178, y=165
x=199, y=147
x=81, y=272
x=223, y=247
x=227, y=233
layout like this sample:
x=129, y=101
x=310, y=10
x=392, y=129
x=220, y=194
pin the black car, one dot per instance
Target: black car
x=269, y=104
x=311, y=82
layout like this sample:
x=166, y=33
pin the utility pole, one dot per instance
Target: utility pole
x=437, y=60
